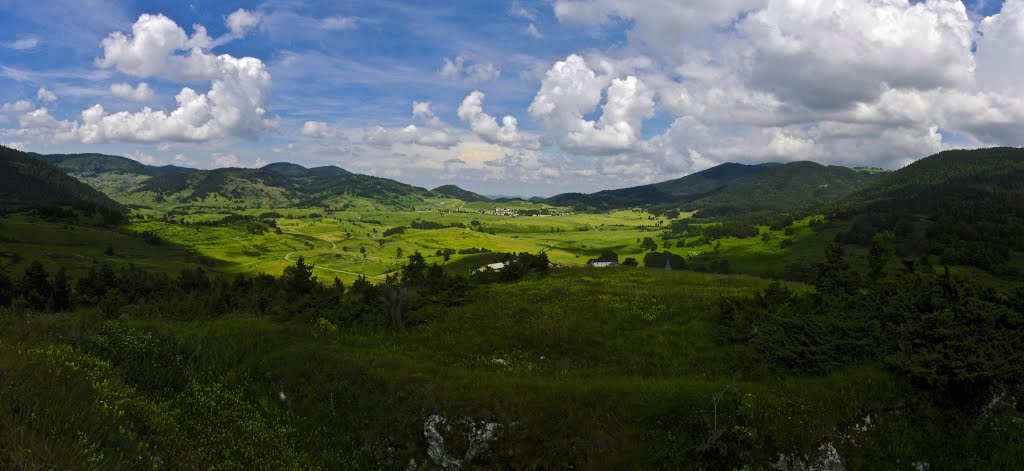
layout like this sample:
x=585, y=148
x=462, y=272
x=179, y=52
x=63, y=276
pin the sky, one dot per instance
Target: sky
x=512, y=97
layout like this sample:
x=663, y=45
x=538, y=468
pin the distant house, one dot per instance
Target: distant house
x=494, y=266
x=599, y=263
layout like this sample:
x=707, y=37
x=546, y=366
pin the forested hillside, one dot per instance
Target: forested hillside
x=452, y=191
x=660, y=193
x=280, y=185
x=26, y=180
x=792, y=187
x=964, y=207
x=95, y=164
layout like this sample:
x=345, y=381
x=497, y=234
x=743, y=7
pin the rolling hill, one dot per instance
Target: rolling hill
x=790, y=187
x=731, y=189
x=297, y=171
x=452, y=191
x=27, y=180
x=94, y=164
x=965, y=207
x=660, y=193
x=281, y=184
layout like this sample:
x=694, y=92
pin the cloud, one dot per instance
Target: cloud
x=430, y=133
x=872, y=82
x=235, y=105
x=142, y=158
x=222, y=160
x=533, y=32
x=19, y=106
x=999, y=57
x=830, y=55
x=140, y=93
x=314, y=129
x=518, y=10
x=23, y=44
x=461, y=69
x=421, y=109
x=339, y=23
x=45, y=95
x=571, y=90
x=485, y=125
x=241, y=21
x=183, y=161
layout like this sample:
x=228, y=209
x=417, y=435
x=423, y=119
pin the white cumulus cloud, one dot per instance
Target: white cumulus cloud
x=486, y=126
x=19, y=106
x=45, y=95
x=235, y=104
x=460, y=68
x=314, y=129
x=241, y=21
x=140, y=92
x=430, y=132
x=571, y=89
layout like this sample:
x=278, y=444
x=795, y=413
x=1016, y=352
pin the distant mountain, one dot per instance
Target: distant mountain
x=297, y=171
x=660, y=193
x=287, y=169
x=506, y=197
x=790, y=187
x=965, y=207
x=280, y=184
x=26, y=179
x=232, y=183
x=732, y=189
x=95, y=164
x=452, y=191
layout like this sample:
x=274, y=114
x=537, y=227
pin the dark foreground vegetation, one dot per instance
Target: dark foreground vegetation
x=578, y=368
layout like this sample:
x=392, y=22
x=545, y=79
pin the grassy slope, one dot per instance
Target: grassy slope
x=78, y=247
x=603, y=369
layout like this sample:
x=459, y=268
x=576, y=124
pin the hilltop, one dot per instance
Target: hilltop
x=452, y=191
x=659, y=193
x=297, y=171
x=791, y=187
x=733, y=189
x=94, y=164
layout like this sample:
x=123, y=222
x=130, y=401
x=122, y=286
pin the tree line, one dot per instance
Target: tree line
x=943, y=332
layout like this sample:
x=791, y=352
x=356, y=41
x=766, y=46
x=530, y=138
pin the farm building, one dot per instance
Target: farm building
x=494, y=266
x=598, y=263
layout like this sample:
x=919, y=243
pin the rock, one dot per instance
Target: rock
x=1000, y=401
x=828, y=459
x=435, y=443
x=922, y=466
x=480, y=436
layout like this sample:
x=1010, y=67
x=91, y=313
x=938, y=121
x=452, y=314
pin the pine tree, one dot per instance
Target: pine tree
x=61, y=296
x=34, y=286
x=6, y=290
x=299, y=278
x=880, y=254
x=835, y=276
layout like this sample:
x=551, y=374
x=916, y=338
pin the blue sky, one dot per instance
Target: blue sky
x=573, y=94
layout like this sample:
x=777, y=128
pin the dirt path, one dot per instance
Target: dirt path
x=334, y=246
x=346, y=272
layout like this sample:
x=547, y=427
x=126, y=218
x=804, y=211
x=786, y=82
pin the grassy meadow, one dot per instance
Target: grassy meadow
x=591, y=369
